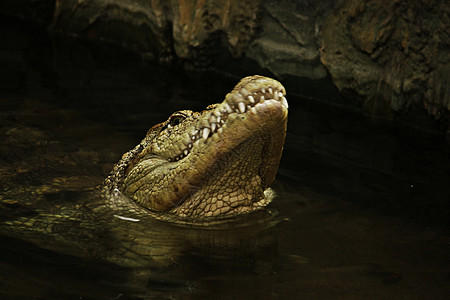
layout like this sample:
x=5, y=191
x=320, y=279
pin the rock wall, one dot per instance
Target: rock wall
x=393, y=54
x=187, y=30
x=201, y=28
x=143, y=26
x=288, y=38
x=281, y=36
x=389, y=58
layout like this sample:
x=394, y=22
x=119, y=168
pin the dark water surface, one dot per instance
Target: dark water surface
x=364, y=209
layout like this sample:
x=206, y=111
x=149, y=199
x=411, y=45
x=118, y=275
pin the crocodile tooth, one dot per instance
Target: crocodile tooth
x=220, y=130
x=217, y=113
x=212, y=119
x=185, y=152
x=263, y=90
x=213, y=127
x=194, y=134
x=227, y=108
x=270, y=90
x=218, y=119
x=276, y=96
x=241, y=107
x=206, y=132
x=189, y=145
x=262, y=99
x=284, y=102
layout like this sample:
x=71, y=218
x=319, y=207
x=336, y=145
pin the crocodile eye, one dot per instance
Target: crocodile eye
x=175, y=120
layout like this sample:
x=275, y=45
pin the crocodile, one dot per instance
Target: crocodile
x=195, y=170
x=215, y=163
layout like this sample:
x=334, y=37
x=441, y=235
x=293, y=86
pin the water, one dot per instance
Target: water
x=362, y=208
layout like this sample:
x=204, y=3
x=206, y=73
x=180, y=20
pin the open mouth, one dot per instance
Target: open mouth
x=216, y=162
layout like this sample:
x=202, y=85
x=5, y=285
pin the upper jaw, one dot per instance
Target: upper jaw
x=250, y=97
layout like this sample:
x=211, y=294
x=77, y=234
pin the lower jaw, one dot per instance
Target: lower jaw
x=234, y=187
x=221, y=205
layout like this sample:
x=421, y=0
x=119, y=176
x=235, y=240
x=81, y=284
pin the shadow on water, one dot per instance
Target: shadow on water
x=364, y=209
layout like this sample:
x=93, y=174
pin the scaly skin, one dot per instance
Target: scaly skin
x=215, y=163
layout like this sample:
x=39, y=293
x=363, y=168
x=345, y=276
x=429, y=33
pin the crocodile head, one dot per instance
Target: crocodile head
x=217, y=162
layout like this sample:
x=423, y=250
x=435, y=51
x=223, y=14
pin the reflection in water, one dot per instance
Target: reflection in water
x=362, y=211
